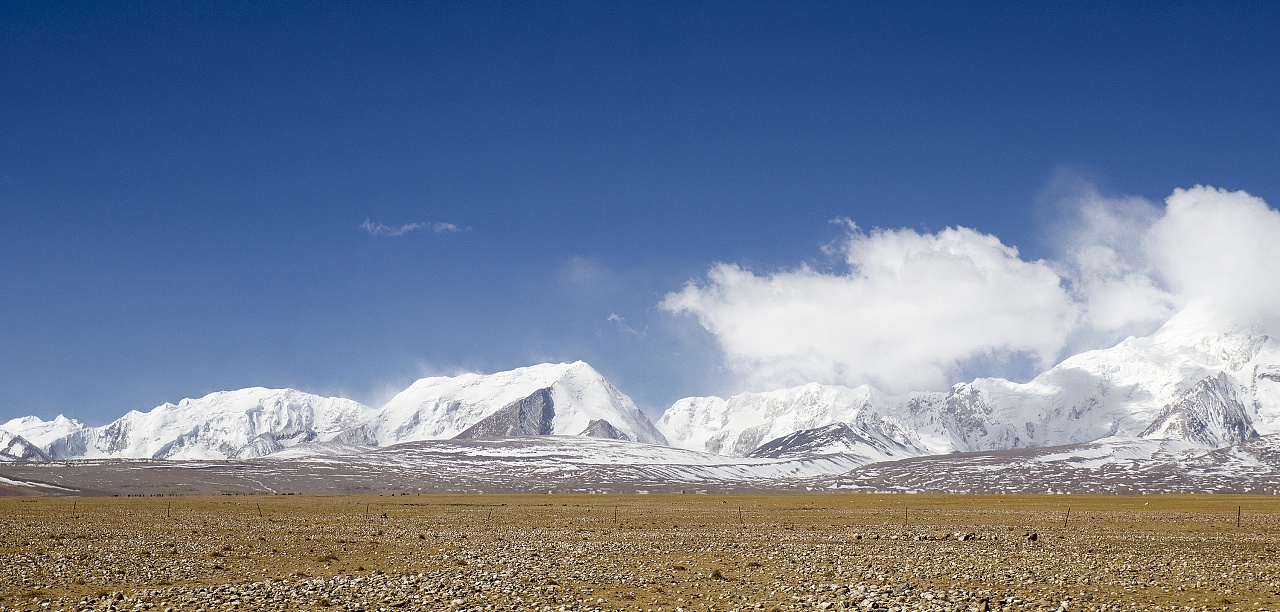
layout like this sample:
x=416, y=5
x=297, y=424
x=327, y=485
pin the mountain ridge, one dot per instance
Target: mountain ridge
x=253, y=422
x=1120, y=391
x=1197, y=380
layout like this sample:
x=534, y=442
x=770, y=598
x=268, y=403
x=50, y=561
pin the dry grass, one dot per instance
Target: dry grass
x=688, y=551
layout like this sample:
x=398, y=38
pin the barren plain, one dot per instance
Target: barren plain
x=640, y=552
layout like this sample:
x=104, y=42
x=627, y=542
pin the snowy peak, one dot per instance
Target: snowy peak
x=40, y=432
x=230, y=424
x=738, y=425
x=544, y=399
x=224, y=425
x=59, y=438
x=1203, y=330
x=1197, y=380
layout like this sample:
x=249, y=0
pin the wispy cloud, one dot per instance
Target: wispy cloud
x=589, y=277
x=382, y=229
x=622, y=324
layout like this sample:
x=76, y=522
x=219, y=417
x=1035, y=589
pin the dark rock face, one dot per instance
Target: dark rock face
x=836, y=438
x=531, y=416
x=1208, y=413
x=16, y=448
x=601, y=428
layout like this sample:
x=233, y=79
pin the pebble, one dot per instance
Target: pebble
x=548, y=558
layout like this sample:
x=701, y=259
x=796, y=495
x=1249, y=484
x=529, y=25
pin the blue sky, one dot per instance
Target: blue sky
x=183, y=186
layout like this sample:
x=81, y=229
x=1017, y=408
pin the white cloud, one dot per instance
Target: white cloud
x=911, y=309
x=1128, y=260
x=1103, y=260
x=382, y=229
x=1221, y=247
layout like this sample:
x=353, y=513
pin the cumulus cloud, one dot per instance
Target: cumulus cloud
x=1128, y=260
x=907, y=310
x=1221, y=247
x=382, y=229
x=1104, y=262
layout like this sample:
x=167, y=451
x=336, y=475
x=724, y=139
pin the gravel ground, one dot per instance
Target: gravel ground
x=668, y=553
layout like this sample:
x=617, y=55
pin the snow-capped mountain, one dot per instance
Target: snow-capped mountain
x=1197, y=379
x=225, y=425
x=738, y=425
x=547, y=399
x=51, y=437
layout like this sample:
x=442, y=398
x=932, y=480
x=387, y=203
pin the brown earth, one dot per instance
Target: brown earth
x=645, y=552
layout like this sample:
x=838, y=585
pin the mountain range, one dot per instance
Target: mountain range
x=546, y=399
x=1197, y=384
x=1198, y=379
